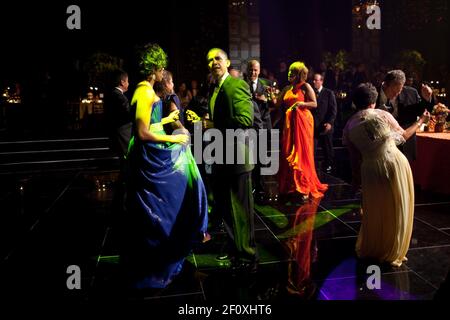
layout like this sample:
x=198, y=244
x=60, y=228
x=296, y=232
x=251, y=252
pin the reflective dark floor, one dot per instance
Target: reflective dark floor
x=53, y=219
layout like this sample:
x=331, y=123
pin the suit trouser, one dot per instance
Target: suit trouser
x=120, y=139
x=258, y=181
x=325, y=141
x=233, y=202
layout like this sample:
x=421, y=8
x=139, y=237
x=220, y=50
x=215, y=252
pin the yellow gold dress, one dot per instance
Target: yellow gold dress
x=387, y=186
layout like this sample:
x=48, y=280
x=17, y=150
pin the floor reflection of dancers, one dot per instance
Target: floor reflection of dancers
x=300, y=250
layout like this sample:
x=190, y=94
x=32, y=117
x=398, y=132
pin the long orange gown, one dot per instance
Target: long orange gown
x=297, y=169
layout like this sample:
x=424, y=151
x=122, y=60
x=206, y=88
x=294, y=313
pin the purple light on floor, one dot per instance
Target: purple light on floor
x=343, y=283
x=332, y=288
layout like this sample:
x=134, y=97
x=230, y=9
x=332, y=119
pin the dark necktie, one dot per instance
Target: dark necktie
x=212, y=101
x=317, y=93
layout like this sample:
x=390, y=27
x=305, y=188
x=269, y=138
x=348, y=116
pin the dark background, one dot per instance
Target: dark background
x=35, y=38
x=302, y=30
x=38, y=39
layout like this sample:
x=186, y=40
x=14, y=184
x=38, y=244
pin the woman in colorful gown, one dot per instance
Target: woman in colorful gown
x=167, y=203
x=386, y=179
x=297, y=172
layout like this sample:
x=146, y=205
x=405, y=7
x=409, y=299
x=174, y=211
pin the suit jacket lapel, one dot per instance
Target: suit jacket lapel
x=320, y=95
x=259, y=87
x=219, y=103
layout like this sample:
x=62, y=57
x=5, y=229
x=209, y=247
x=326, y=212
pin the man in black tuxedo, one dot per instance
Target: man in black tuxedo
x=117, y=114
x=405, y=104
x=119, y=124
x=231, y=107
x=258, y=89
x=324, y=116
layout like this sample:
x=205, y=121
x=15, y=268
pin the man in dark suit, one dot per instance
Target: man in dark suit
x=258, y=89
x=117, y=114
x=405, y=104
x=324, y=116
x=231, y=108
x=119, y=123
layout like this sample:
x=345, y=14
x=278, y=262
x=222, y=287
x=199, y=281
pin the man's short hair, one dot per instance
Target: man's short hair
x=220, y=50
x=395, y=77
x=318, y=74
x=118, y=76
x=253, y=61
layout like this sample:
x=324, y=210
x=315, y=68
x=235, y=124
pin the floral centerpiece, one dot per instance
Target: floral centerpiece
x=438, y=116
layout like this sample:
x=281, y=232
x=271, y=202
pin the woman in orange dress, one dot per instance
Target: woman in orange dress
x=297, y=169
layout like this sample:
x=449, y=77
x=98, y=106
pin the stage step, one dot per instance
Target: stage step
x=56, y=154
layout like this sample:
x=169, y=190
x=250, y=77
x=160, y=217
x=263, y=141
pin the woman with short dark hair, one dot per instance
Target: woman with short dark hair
x=371, y=136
